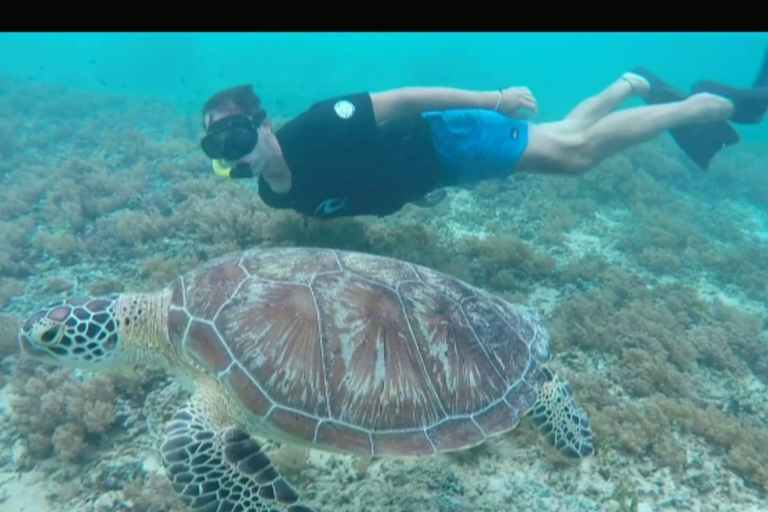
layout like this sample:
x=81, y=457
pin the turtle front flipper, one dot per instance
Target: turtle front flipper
x=222, y=470
x=562, y=422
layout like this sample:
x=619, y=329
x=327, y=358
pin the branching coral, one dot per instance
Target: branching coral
x=507, y=261
x=9, y=329
x=154, y=494
x=9, y=289
x=661, y=343
x=230, y=219
x=57, y=413
x=14, y=239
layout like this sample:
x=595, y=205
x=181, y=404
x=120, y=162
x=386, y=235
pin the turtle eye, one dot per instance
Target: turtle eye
x=50, y=335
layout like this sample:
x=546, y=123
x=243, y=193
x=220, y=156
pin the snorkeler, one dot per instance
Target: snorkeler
x=371, y=153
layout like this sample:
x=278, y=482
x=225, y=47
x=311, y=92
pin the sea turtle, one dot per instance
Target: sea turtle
x=342, y=351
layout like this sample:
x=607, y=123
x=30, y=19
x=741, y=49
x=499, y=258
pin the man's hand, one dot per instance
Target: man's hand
x=515, y=99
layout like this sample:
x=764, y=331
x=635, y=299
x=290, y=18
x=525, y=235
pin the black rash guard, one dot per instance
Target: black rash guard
x=342, y=164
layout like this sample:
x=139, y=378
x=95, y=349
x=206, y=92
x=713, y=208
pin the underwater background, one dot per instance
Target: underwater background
x=649, y=273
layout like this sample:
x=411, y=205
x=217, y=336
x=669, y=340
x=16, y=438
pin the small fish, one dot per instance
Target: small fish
x=431, y=198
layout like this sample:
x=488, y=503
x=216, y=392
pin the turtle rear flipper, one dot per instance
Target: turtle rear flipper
x=560, y=420
x=224, y=470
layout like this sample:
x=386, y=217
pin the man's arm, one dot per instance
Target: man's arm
x=408, y=101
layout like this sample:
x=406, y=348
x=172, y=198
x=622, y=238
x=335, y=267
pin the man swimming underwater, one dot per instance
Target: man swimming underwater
x=371, y=153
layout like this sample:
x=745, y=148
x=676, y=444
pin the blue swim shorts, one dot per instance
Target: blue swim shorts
x=475, y=145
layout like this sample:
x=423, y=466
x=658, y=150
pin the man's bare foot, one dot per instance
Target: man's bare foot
x=706, y=107
x=639, y=85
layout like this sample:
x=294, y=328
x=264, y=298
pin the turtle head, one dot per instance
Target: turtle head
x=76, y=332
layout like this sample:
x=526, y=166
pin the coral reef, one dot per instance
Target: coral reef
x=58, y=414
x=9, y=330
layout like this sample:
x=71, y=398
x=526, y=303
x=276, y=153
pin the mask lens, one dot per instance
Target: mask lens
x=230, y=139
x=213, y=147
x=239, y=142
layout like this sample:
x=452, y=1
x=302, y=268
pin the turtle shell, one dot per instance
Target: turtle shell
x=360, y=353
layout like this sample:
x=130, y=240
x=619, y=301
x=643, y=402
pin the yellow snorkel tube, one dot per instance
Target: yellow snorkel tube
x=240, y=171
x=220, y=169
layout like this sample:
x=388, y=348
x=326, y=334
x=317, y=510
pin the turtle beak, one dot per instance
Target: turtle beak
x=29, y=349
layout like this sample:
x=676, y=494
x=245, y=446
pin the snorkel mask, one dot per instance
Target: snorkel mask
x=231, y=138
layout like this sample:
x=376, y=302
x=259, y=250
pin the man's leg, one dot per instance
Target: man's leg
x=620, y=130
x=553, y=151
x=594, y=108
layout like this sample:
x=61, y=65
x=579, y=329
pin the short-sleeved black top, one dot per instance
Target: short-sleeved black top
x=343, y=164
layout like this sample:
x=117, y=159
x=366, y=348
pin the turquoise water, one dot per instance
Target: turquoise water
x=290, y=70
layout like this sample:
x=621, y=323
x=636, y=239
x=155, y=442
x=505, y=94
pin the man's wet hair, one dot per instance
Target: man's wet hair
x=241, y=96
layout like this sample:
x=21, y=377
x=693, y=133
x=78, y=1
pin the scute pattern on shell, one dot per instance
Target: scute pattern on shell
x=358, y=352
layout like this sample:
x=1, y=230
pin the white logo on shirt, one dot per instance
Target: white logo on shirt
x=330, y=206
x=344, y=109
